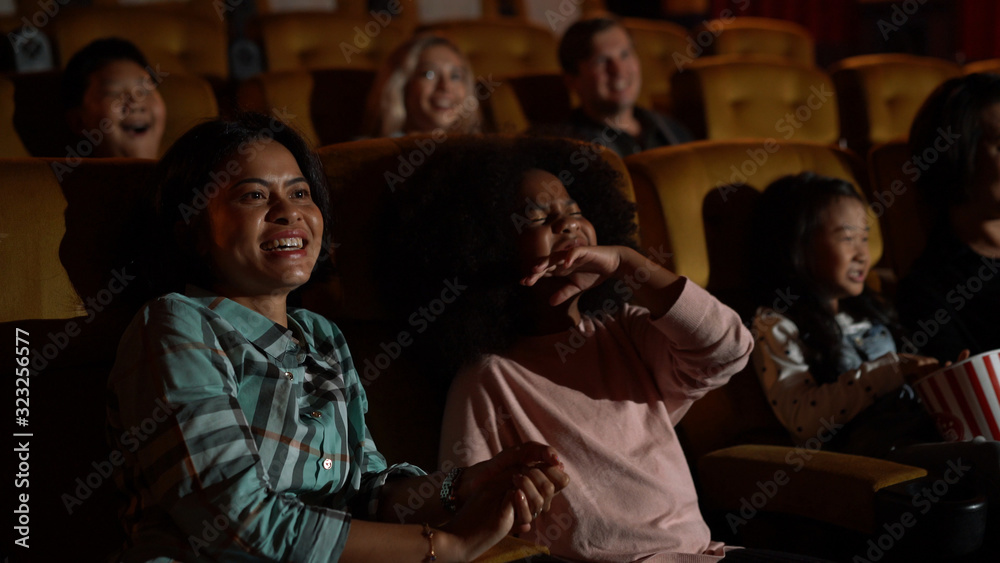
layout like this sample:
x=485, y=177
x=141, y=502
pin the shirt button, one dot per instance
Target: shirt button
x=327, y=463
x=289, y=376
x=316, y=414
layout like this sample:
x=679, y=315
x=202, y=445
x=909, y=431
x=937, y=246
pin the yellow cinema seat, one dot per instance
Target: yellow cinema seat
x=672, y=183
x=211, y=10
x=662, y=49
x=501, y=47
x=322, y=105
x=10, y=142
x=879, y=95
x=35, y=283
x=173, y=42
x=757, y=36
x=314, y=40
x=731, y=97
x=991, y=66
x=906, y=218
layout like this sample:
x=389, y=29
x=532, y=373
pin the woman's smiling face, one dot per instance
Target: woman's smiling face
x=436, y=91
x=263, y=230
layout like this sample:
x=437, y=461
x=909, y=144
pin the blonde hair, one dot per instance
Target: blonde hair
x=385, y=113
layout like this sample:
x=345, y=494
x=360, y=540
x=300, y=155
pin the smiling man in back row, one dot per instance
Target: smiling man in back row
x=600, y=64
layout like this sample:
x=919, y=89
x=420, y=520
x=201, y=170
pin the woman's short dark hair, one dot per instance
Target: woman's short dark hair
x=189, y=175
x=786, y=218
x=945, y=135
x=92, y=58
x=577, y=45
x=458, y=220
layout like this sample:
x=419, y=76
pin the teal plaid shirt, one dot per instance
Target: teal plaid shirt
x=238, y=439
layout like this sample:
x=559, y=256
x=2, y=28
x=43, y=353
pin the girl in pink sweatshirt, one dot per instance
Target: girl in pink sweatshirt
x=549, y=348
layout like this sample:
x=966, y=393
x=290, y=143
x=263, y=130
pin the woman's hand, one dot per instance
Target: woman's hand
x=531, y=469
x=502, y=495
x=916, y=367
x=583, y=267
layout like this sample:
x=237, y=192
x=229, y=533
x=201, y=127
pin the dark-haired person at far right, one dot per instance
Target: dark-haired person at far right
x=951, y=297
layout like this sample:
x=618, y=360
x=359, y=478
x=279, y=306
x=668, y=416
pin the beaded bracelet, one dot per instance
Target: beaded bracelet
x=429, y=534
x=449, y=488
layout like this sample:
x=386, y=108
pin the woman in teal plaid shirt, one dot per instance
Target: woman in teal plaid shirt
x=240, y=421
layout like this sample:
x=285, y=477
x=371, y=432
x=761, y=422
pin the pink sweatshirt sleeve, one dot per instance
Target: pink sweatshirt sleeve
x=469, y=430
x=694, y=348
x=799, y=403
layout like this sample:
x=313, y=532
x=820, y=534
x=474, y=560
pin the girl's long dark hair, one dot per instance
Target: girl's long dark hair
x=786, y=218
x=457, y=220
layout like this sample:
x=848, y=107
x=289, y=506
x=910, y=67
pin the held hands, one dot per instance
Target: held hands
x=506, y=494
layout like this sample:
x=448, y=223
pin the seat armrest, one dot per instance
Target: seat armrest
x=512, y=549
x=835, y=488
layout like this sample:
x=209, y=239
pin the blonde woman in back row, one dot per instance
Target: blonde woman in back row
x=424, y=86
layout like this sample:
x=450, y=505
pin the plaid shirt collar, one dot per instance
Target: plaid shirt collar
x=283, y=345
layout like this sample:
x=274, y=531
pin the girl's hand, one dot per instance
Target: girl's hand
x=533, y=470
x=916, y=367
x=583, y=267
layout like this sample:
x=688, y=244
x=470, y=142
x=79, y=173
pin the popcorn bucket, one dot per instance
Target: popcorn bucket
x=964, y=398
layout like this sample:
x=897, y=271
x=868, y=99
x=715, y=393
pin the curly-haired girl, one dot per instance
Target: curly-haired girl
x=548, y=347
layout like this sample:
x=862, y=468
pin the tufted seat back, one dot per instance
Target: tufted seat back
x=673, y=184
x=757, y=36
x=501, y=47
x=880, y=94
x=296, y=41
x=729, y=97
x=172, y=41
x=658, y=44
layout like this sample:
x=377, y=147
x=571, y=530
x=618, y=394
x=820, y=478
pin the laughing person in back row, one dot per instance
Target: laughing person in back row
x=112, y=102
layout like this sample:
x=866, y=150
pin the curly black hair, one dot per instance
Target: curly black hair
x=457, y=221
x=786, y=218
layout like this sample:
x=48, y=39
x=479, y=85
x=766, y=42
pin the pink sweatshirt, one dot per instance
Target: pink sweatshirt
x=606, y=395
